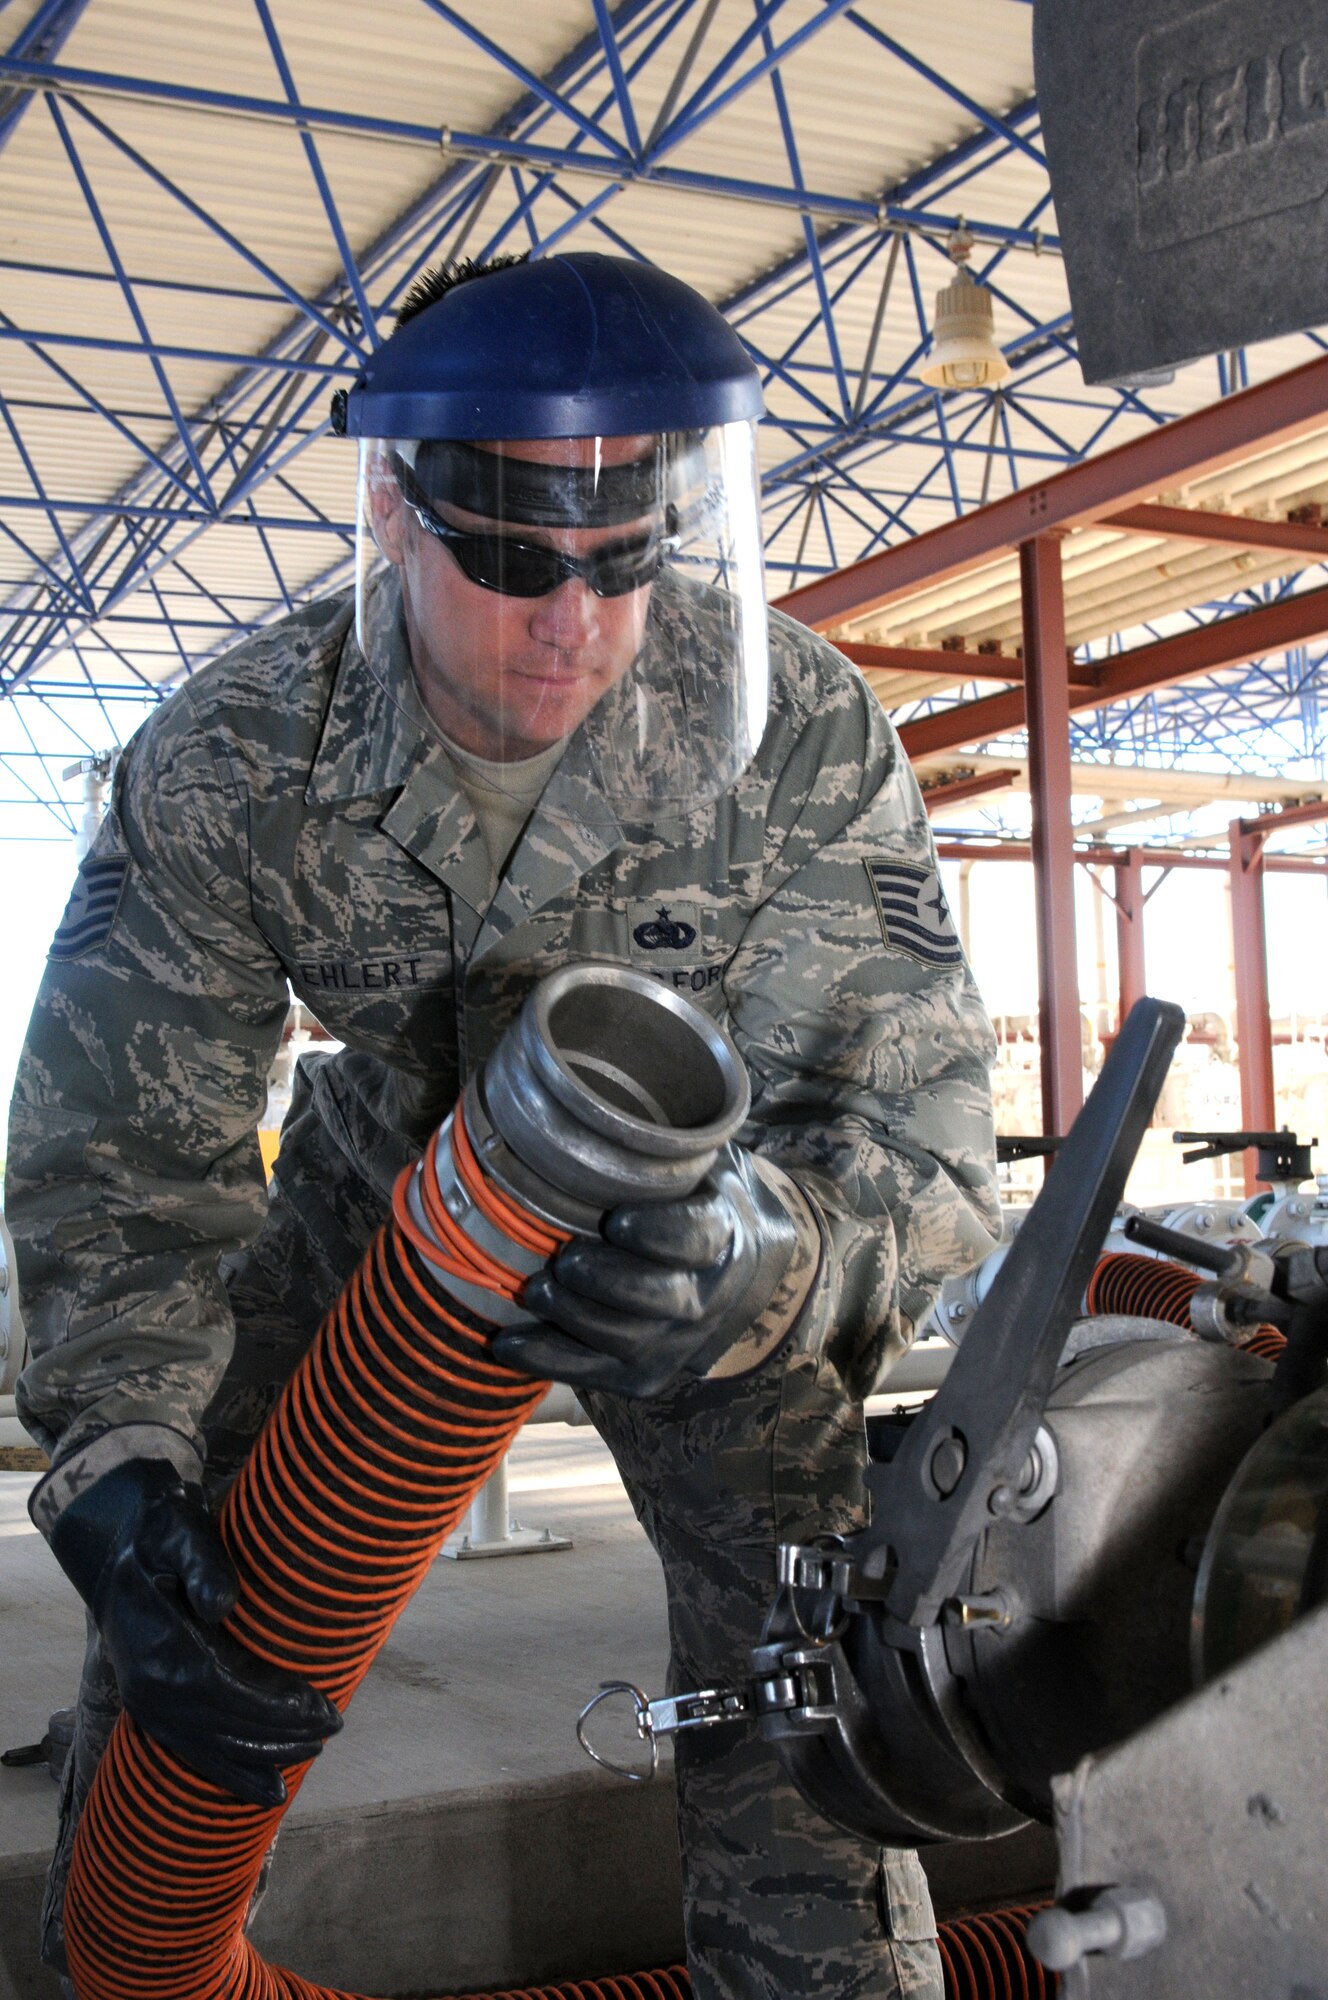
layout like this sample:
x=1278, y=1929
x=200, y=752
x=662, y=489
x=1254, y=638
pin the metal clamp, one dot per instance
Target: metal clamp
x=831, y=1573
x=701, y=1709
x=1225, y=1309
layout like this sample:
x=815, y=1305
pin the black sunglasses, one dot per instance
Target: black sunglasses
x=533, y=569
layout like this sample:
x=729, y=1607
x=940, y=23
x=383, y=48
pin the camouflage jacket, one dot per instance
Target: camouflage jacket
x=282, y=819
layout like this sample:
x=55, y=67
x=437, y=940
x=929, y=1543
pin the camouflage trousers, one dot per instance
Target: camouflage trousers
x=779, y=1905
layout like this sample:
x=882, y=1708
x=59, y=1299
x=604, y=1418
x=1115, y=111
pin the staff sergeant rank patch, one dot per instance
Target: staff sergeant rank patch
x=915, y=916
x=91, y=909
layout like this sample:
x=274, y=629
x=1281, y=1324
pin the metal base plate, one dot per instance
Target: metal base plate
x=518, y=1541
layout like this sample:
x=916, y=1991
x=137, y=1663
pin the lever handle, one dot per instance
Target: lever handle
x=962, y=1460
x=1174, y=1243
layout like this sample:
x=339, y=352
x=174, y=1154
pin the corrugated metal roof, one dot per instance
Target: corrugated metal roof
x=862, y=120
x=860, y=125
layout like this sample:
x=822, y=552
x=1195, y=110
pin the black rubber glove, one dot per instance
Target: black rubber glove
x=666, y=1293
x=144, y=1554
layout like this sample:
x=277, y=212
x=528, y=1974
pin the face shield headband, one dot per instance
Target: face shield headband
x=539, y=495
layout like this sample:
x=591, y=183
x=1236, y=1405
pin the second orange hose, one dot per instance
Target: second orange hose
x=1153, y=1288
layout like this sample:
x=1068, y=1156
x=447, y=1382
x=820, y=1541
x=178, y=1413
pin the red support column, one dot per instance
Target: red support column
x=1130, y=930
x=1254, y=1028
x=1047, y=691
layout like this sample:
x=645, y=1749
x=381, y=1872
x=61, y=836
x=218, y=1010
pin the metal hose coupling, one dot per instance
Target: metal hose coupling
x=608, y=1087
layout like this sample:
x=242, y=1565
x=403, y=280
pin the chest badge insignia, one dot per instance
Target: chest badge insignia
x=664, y=933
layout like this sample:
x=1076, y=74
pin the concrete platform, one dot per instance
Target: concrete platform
x=454, y=1837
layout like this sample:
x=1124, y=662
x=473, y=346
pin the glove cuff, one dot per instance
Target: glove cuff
x=770, y=1329
x=71, y=1476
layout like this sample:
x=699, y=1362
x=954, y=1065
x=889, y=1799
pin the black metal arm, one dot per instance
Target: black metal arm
x=961, y=1463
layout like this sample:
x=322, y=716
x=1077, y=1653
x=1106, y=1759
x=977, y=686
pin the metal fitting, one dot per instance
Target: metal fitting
x=990, y=1608
x=1118, y=1923
x=947, y=1463
x=1224, y=1309
x=608, y=1087
x=1038, y=1480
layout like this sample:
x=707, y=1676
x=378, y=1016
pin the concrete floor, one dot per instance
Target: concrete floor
x=455, y=1836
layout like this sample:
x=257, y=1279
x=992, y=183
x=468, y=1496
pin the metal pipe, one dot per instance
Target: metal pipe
x=922, y=1369
x=1130, y=902
x=488, y=1519
x=1254, y=1037
x=53, y=78
x=1159, y=857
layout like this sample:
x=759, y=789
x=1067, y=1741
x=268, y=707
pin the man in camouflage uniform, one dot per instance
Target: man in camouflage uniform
x=289, y=817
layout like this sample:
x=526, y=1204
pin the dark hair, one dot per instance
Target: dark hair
x=433, y=285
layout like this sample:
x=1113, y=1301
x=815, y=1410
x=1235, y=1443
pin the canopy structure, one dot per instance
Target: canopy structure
x=1183, y=559
x=212, y=212
x=1036, y=592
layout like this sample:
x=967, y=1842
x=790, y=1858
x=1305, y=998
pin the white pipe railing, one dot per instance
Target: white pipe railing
x=489, y=1528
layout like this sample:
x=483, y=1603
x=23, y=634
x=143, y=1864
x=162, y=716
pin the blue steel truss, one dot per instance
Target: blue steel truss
x=858, y=451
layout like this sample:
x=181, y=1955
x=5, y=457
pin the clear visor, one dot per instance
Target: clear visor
x=577, y=620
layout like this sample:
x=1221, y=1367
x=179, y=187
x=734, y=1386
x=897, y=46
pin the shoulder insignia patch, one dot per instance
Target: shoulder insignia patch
x=91, y=909
x=915, y=916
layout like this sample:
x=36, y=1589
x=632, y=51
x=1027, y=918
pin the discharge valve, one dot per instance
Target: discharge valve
x=1093, y=1524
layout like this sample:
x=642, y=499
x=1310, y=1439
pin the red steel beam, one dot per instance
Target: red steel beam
x=1302, y=815
x=1049, y=782
x=1129, y=870
x=966, y=722
x=947, y=791
x=1153, y=857
x=1191, y=524
x=1227, y=642
x=1273, y=412
x=931, y=660
x=1254, y=1028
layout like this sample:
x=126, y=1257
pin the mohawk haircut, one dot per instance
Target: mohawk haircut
x=444, y=278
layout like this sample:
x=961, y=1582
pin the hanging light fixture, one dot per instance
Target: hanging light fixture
x=964, y=354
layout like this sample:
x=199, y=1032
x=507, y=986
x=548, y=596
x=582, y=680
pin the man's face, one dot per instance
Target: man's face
x=506, y=677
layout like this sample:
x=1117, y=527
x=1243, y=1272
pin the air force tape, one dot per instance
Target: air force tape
x=91, y=909
x=914, y=914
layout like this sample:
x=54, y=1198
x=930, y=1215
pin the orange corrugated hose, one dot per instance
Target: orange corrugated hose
x=984, y=1957
x=1152, y=1288
x=391, y=1423
x=670, y=1983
